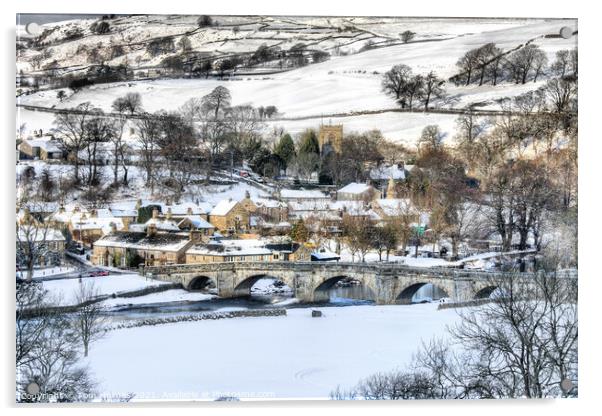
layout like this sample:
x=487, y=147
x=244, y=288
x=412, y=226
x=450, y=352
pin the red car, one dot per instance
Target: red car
x=98, y=273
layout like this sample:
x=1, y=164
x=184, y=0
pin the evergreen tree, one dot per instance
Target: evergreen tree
x=309, y=142
x=285, y=148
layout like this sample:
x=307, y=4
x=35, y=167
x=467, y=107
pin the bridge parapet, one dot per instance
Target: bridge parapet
x=380, y=268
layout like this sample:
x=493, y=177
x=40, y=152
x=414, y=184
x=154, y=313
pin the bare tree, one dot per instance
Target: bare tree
x=560, y=67
x=522, y=344
x=357, y=234
x=432, y=87
x=468, y=63
x=88, y=319
x=526, y=341
x=149, y=129
x=526, y=59
x=47, y=352
x=407, y=36
x=130, y=103
x=395, y=80
x=32, y=242
x=71, y=127
x=562, y=94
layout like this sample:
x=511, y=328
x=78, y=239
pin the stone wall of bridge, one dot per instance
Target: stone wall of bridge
x=390, y=284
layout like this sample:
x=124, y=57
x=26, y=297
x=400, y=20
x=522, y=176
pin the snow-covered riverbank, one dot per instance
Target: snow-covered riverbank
x=294, y=356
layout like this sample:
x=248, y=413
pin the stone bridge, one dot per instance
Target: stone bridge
x=310, y=281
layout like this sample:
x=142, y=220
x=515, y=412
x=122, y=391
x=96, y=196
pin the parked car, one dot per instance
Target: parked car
x=97, y=273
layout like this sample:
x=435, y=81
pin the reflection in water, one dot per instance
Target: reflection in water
x=346, y=293
x=427, y=293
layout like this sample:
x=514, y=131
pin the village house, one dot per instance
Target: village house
x=196, y=223
x=229, y=215
x=43, y=148
x=357, y=209
x=356, y=192
x=165, y=223
x=179, y=211
x=127, y=215
x=48, y=243
x=87, y=228
x=302, y=195
x=381, y=175
x=271, y=209
x=319, y=211
x=392, y=208
x=151, y=248
x=39, y=209
x=228, y=251
x=247, y=250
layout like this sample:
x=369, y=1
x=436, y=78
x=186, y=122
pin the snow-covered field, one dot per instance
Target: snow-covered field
x=294, y=356
x=64, y=291
x=342, y=84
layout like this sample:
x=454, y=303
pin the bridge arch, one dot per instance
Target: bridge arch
x=321, y=291
x=244, y=285
x=407, y=294
x=201, y=283
x=486, y=292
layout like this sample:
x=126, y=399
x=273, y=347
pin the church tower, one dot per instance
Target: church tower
x=330, y=139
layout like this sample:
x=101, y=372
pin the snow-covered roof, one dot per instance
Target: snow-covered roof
x=325, y=255
x=163, y=224
x=249, y=247
x=391, y=207
x=355, y=188
x=187, y=208
x=197, y=222
x=141, y=241
x=105, y=224
x=47, y=144
x=223, y=207
x=268, y=203
x=316, y=205
x=302, y=194
x=124, y=212
x=387, y=172
x=355, y=208
x=41, y=234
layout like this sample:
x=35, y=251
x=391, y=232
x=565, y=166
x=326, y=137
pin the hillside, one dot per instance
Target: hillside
x=349, y=83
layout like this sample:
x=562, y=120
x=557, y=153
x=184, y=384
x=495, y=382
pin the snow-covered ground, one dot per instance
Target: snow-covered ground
x=294, y=356
x=342, y=84
x=64, y=291
x=48, y=272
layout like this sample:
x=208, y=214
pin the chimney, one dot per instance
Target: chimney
x=93, y=213
x=194, y=235
x=138, y=204
x=151, y=230
x=155, y=213
x=76, y=209
x=113, y=227
x=247, y=195
x=62, y=209
x=168, y=215
x=189, y=210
